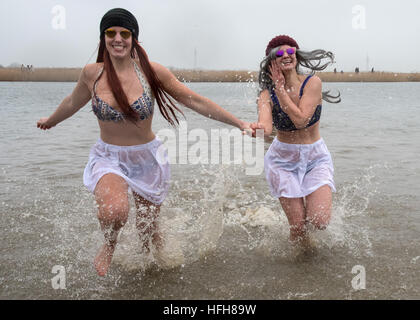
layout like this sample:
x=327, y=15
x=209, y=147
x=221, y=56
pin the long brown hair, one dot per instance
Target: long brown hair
x=165, y=103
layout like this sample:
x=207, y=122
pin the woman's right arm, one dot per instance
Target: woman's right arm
x=265, y=118
x=71, y=104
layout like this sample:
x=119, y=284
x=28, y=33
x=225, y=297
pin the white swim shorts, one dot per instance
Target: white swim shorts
x=297, y=170
x=144, y=167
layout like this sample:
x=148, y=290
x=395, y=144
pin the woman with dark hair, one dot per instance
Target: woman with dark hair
x=298, y=165
x=123, y=86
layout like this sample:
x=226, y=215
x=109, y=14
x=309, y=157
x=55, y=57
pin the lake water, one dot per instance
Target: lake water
x=225, y=235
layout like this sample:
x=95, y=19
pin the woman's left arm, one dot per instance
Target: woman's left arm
x=301, y=114
x=194, y=101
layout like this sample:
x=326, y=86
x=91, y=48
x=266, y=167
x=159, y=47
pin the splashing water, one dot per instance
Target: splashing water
x=189, y=232
x=268, y=229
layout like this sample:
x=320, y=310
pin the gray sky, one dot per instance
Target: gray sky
x=226, y=34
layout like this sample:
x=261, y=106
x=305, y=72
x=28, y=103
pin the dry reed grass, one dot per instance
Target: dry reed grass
x=368, y=77
x=40, y=75
x=72, y=75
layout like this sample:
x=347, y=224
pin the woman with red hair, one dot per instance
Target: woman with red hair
x=123, y=86
x=298, y=165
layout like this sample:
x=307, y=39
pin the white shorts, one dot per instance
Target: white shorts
x=297, y=170
x=144, y=167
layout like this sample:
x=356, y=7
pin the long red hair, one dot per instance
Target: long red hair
x=165, y=103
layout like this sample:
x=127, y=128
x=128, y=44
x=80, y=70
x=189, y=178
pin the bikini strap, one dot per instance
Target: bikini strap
x=274, y=98
x=143, y=81
x=96, y=81
x=303, y=85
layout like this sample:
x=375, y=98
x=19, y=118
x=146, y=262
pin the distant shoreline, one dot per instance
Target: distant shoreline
x=72, y=75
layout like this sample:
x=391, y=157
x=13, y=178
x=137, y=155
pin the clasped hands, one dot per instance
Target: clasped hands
x=250, y=129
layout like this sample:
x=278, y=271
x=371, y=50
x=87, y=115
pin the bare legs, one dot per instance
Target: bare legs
x=295, y=213
x=318, y=207
x=111, y=195
x=147, y=214
x=112, y=198
x=316, y=211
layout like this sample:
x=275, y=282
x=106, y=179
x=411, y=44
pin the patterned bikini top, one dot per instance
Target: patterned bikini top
x=143, y=105
x=282, y=121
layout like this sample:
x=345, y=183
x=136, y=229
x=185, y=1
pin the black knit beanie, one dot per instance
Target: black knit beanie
x=120, y=18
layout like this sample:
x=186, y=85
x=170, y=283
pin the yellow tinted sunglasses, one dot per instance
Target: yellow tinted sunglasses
x=111, y=33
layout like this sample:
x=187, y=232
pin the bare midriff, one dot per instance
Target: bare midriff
x=127, y=133
x=301, y=136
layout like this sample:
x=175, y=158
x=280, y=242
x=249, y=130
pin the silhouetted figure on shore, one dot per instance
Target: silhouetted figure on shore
x=24, y=68
x=335, y=70
x=372, y=70
x=356, y=70
x=27, y=68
